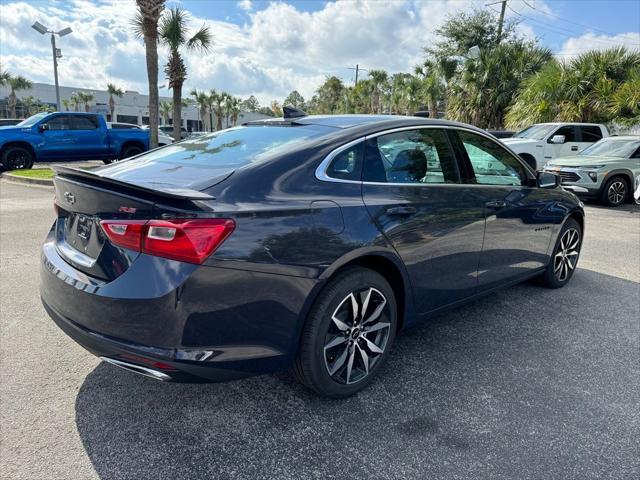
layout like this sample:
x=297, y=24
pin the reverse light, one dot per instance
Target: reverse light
x=185, y=240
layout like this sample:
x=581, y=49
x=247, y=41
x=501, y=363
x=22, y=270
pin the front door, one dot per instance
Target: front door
x=413, y=191
x=57, y=140
x=519, y=216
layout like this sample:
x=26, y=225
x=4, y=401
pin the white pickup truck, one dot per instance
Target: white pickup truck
x=542, y=142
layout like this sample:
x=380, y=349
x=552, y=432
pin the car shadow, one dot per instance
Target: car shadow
x=520, y=384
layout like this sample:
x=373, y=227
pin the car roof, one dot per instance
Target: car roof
x=364, y=122
x=622, y=137
x=569, y=123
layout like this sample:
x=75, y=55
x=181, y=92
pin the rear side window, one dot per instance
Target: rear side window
x=123, y=126
x=85, y=123
x=492, y=164
x=411, y=156
x=569, y=132
x=347, y=164
x=234, y=147
x=590, y=133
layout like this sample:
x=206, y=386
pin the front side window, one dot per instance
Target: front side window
x=420, y=156
x=492, y=164
x=59, y=122
x=347, y=164
x=569, y=133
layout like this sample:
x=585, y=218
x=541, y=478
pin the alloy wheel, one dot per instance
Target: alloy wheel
x=566, y=257
x=357, y=335
x=18, y=160
x=617, y=192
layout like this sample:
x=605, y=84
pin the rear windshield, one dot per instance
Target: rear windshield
x=234, y=147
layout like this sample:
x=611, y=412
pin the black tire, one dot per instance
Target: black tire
x=17, y=158
x=529, y=160
x=357, y=345
x=130, y=151
x=555, y=277
x=615, y=191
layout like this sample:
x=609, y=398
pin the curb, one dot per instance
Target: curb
x=25, y=180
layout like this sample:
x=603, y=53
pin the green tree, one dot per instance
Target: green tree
x=66, y=104
x=75, y=101
x=165, y=110
x=250, y=104
x=202, y=101
x=330, y=95
x=597, y=86
x=379, y=79
x=15, y=84
x=217, y=105
x=295, y=100
x=486, y=86
x=145, y=26
x=276, y=108
x=83, y=98
x=174, y=34
x=112, y=90
x=28, y=105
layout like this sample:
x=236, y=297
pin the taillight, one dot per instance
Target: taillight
x=186, y=240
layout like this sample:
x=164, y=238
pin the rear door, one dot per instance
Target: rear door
x=92, y=142
x=412, y=187
x=519, y=215
x=588, y=135
x=571, y=145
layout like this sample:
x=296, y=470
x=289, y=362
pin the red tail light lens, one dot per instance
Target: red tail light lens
x=186, y=240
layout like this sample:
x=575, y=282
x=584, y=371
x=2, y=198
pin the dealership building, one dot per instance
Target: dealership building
x=133, y=107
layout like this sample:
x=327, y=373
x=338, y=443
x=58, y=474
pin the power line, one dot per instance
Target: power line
x=569, y=21
x=563, y=31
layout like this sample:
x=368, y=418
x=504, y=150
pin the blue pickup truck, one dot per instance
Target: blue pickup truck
x=67, y=136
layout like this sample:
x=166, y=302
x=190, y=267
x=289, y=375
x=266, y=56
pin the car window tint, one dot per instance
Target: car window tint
x=569, y=133
x=85, y=123
x=492, y=164
x=346, y=165
x=59, y=122
x=590, y=133
x=411, y=156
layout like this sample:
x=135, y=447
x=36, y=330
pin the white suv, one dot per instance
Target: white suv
x=542, y=142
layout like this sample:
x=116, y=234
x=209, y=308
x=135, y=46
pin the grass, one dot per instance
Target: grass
x=44, y=173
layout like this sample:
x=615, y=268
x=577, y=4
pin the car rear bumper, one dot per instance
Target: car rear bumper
x=202, y=323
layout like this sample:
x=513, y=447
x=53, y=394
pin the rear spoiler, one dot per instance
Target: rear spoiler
x=162, y=189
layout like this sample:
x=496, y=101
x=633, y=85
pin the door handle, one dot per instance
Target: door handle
x=574, y=148
x=402, y=210
x=496, y=204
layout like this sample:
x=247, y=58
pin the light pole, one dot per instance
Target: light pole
x=38, y=27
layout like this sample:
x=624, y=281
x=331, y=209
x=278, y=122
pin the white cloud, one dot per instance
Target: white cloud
x=245, y=5
x=590, y=41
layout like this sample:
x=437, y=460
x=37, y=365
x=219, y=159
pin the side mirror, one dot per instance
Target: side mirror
x=547, y=180
x=558, y=139
x=42, y=127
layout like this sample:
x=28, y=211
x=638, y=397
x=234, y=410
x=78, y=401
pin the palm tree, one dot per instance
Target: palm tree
x=174, y=34
x=16, y=84
x=597, y=86
x=234, y=109
x=27, y=105
x=217, y=104
x=113, y=90
x=145, y=26
x=66, y=103
x=379, y=80
x=229, y=102
x=75, y=101
x=202, y=100
x=84, y=97
x=165, y=109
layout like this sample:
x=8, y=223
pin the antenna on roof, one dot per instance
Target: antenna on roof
x=291, y=112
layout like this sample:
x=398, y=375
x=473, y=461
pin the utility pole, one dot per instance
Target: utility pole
x=357, y=69
x=501, y=20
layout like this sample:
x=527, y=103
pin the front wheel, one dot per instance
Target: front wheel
x=566, y=253
x=17, y=158
x=615, y=192
x=348, y=334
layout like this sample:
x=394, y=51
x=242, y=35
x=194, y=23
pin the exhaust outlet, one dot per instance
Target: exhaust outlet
x=140, y=370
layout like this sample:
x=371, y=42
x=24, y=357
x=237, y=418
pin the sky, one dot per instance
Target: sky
x=269, y=48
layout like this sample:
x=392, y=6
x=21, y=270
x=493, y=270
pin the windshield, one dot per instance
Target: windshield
x=613, y=147
x=535, y=132
x=32, y=120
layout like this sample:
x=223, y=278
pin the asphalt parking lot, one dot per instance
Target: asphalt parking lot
x=528, y=383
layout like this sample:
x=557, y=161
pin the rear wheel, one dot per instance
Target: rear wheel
x=348, y=334
x=566, y=253
x=615, y=192
x=17, y=158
